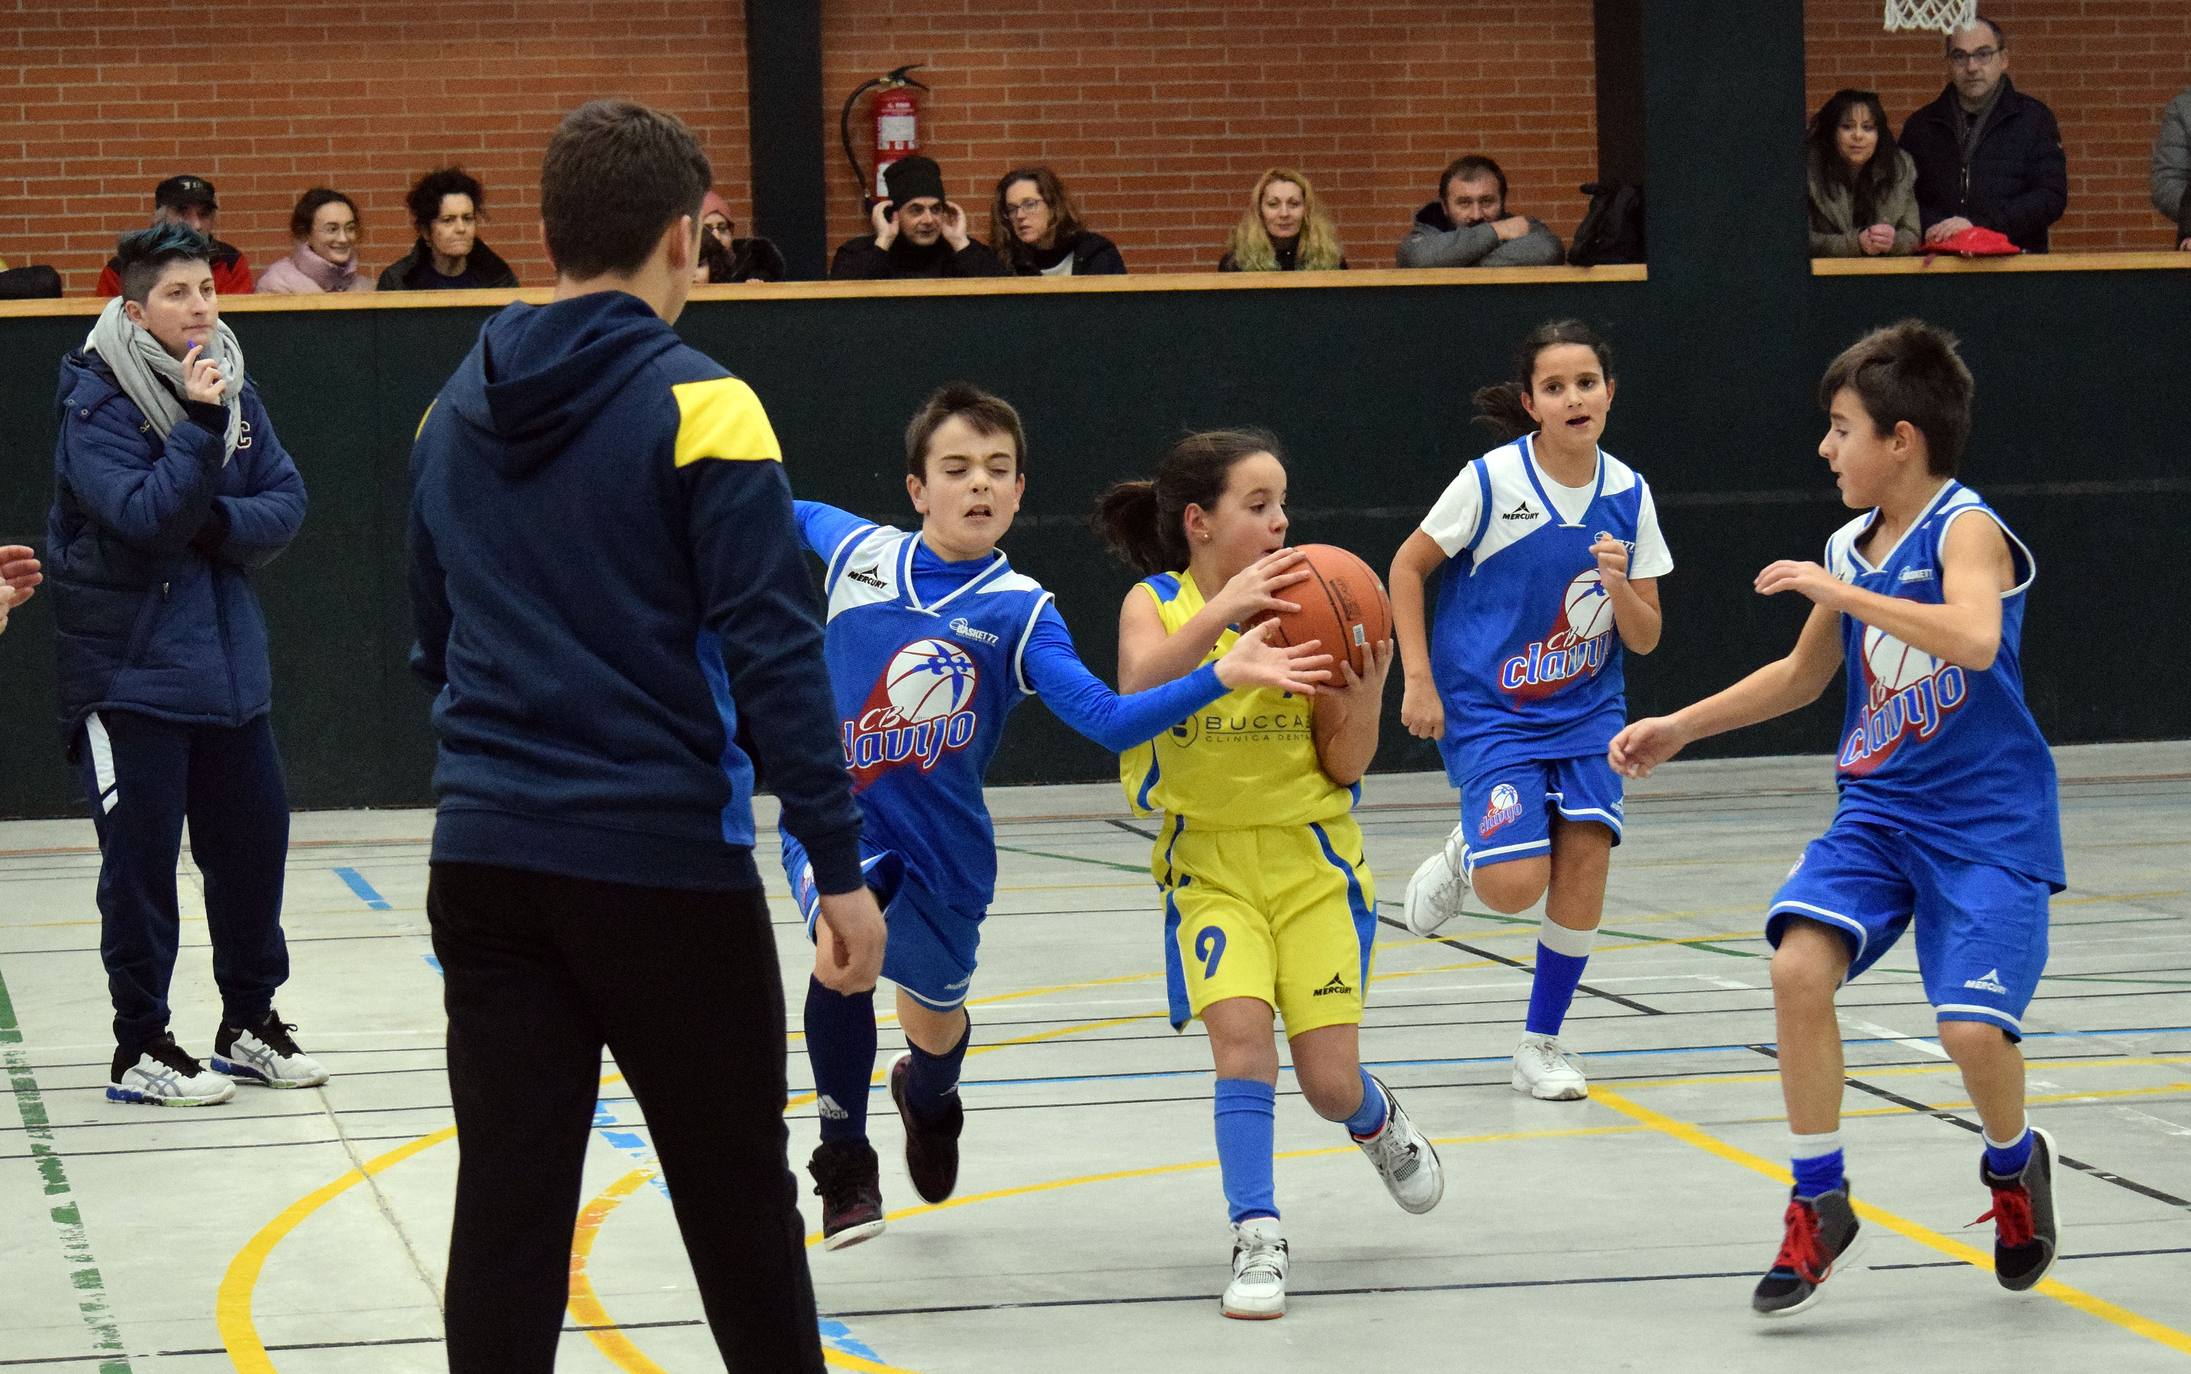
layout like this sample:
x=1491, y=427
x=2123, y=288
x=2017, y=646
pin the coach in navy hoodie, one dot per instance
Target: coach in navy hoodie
x=612, y=607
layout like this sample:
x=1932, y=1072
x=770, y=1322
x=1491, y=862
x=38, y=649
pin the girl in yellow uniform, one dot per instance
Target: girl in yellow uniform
x=1269, y=908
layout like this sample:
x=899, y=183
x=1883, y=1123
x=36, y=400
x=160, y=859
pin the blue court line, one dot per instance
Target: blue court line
x=364, y=889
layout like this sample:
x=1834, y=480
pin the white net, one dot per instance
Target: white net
x=1942, y=16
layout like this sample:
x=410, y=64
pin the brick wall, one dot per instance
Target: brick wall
x=99, y=102
x=2106, y=67
x=1160, y=114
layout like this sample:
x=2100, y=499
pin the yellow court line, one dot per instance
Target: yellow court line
x=2136, y=1323
x=1386, y=974
x=2097, y=1095
x=1917, y=1070
x=584, y=1302
x=232, y=1306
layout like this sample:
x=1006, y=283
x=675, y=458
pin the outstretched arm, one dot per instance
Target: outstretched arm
x=1055, y=670
x=1785, y=685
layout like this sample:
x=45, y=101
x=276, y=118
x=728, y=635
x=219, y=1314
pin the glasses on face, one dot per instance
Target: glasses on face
x=1025, y=207
x=1982, y=57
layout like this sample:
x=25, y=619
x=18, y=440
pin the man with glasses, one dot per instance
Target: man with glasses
x=919, y=232
x=1986, y=153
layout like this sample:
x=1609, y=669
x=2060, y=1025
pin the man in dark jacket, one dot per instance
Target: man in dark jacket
x=918, y=232
x=1986, y=153
x=189, y=200
x=614, y=611
x=1468, y=225
x=170, y=489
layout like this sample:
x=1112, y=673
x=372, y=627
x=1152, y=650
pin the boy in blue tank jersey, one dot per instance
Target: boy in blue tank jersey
x=932, y=639
x=1948, y=819
x=1548, y=555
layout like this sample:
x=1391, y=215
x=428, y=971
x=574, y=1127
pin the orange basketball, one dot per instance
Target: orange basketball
x=1343, y=607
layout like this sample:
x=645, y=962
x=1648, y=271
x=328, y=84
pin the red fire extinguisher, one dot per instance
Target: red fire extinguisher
x=897, y=124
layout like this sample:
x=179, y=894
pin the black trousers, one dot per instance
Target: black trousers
x=682, y=988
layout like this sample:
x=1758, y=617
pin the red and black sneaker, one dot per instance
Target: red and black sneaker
x=849, y=1179
x=2025, y=1228
x=931, y=1143
x=1821, y=1231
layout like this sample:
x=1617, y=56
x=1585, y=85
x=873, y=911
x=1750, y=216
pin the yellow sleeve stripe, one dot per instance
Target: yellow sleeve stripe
x=722, y=418
x=424, y=418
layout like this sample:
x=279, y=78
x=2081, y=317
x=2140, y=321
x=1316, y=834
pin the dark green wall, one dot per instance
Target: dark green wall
x=2077, y=441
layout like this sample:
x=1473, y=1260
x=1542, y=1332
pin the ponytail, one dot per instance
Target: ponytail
x=1499, y=409
x=1141, y=521
x=1125, y=519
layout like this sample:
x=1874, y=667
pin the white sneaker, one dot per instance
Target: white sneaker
x=1439, y=890
x=163, y=1075
x=1404, y=1159
x=266, y=1055
x=1544, y=1070
x=1258, y=1288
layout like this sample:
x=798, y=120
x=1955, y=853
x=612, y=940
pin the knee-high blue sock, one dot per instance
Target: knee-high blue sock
x=1818, y=1164
x=1561, y=955
x=932, y=1080
x=1369, y=1118
x=1247, y=1127
x=840, y=1044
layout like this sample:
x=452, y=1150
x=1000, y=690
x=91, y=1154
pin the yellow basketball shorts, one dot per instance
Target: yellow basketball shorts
x=1285, y=914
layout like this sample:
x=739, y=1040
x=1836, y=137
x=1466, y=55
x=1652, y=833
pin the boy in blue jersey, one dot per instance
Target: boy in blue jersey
x=612, y=609
x=932, y=639
x=1948, y=819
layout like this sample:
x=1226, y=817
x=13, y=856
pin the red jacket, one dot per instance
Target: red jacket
x=231, y=274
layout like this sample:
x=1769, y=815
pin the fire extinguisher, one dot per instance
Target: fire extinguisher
x=897, y=124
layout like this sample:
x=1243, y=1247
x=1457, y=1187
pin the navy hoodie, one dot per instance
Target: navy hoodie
x=613, y=610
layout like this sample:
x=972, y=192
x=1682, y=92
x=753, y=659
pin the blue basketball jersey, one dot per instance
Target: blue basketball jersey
x=1947, y=754
x=1523, y=648
x=922, y=692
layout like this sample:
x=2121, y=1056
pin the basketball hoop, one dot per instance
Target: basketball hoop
x=1943, y=16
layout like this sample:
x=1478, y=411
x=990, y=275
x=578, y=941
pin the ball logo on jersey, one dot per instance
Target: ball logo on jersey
x=1576, y=647
x=1504, y=809
x=1907, y=692
x=921, y=709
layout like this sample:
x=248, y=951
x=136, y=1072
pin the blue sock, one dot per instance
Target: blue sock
x=1561, y=955
x=932, y=1084
x=1369, y=1118
x=2005, y=1161
x=840, y=1044
x=1819, y=1166
x=1247, y=1126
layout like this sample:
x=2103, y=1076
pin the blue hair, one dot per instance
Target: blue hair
x=145, y=253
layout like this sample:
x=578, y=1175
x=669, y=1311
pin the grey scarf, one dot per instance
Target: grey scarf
x=153, y=379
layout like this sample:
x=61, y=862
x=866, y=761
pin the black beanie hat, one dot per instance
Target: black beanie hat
x=910, y=178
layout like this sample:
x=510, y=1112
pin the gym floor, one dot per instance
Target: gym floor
x=306, y=1231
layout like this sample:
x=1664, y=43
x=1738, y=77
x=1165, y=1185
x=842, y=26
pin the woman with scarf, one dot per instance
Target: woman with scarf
x=325, y=226
x=170, y=489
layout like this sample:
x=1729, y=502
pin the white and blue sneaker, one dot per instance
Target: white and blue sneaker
x=1439, y=890
x=164, y=1075
x=265, y=1054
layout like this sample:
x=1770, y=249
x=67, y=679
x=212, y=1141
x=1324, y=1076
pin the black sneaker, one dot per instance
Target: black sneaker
x=849, y=1179
x=2025, y=1230
x=931, y=1145
x=1821, y=1232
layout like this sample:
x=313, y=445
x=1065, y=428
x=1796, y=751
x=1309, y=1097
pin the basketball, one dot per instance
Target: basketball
x=929, y=678
x=1589, y=606
x=1343, y=606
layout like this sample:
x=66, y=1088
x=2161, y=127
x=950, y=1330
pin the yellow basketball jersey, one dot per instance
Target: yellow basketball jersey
x=1246, y=759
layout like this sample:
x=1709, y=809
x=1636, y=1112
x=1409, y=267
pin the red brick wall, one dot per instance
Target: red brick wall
x=100, y=100
x=1160, y=114
x=2106, y=67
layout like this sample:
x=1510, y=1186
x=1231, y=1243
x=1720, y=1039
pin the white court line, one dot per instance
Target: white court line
x=1915, y=1042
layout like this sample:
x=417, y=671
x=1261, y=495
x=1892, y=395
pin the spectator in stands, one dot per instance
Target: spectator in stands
x=1863, y=188
x=19, y=578
x=1038, y=231
x=2172, y=167
x=1986, y=153
x=325, y=226
x=1284, y=229
x=919, y=232
x=754, y=259
x=445, y=209
x=189, y=200
x=1468, y=225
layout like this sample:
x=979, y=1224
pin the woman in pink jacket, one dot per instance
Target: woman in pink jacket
x=325, y=225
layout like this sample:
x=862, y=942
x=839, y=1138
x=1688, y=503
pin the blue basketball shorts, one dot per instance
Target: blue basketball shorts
x=931, y=948
x=1981, y=930
x=1508, y=809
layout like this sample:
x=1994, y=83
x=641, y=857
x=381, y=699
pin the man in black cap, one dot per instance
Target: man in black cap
x=190, y=200
x=918, y=232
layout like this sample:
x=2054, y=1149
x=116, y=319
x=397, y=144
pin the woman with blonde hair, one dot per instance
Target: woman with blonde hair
x=1285, y=229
